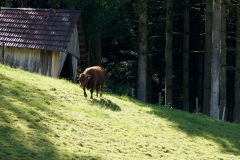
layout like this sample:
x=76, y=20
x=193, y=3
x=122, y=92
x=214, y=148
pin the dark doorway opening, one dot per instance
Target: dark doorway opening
x=67, y=71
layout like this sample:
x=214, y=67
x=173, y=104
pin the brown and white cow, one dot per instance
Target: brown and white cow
x=92, y=78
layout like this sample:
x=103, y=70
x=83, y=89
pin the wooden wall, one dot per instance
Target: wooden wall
x=73, y=45
x=73, y=49
x=47, y=63
x=74, y=67
x=26, y=59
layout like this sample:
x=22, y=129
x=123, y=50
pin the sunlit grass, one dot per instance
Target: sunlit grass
x=47, y=118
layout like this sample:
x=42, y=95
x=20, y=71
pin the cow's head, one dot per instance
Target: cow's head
x=83, y=79
x=78, y=74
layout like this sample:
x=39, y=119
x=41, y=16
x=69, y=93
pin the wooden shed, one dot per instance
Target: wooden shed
x=47, y=41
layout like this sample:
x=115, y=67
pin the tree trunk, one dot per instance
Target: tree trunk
x=142, y=55
x=7, y=3
x=215, y=65
x=207, y=58
x=200, y=81
x=223, y=79
x=98, y=50
x=237, y=69
x=149, y=58
x=168, y=53
x=25, y=3
x=186, y=57
x=201, y=61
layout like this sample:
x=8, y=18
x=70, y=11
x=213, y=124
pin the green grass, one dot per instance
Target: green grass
x=46, y=118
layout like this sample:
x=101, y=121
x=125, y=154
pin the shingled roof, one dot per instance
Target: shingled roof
x=43, y=29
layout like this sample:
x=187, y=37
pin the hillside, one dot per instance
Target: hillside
x=46, y=118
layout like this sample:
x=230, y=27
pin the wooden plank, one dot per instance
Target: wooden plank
x=43, y=64
x=53, y=73
x=46, y=63
x=49, y=61
x=46, y=60
x=37, y=60
x=25, y=60
x=55, y=64
x=74, y=67
x=73, y=45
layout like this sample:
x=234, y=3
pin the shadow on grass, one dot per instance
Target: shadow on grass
x=106, y=103
x=16, y=113
x=223, y=133
x=16, y=144
x=25, y=123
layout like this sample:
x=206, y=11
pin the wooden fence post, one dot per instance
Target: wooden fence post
x=197, y=105
x=133, y=92
x=223, y=114
x=160, y=99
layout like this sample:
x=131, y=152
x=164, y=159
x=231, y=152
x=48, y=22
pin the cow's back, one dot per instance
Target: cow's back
x=97, y=73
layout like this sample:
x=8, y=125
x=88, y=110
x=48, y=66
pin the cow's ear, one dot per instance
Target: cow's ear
x=89, y=76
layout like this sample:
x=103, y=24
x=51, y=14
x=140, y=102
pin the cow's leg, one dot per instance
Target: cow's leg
x=85, y=94
x=91, y=90
x=100, y=88
x=97, y=89
x=94, y=86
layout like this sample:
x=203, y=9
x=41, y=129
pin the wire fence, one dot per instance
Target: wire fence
x=153, y=97
x=195, y=104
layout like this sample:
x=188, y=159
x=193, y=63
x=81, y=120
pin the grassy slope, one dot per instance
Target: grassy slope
x=46, y=118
